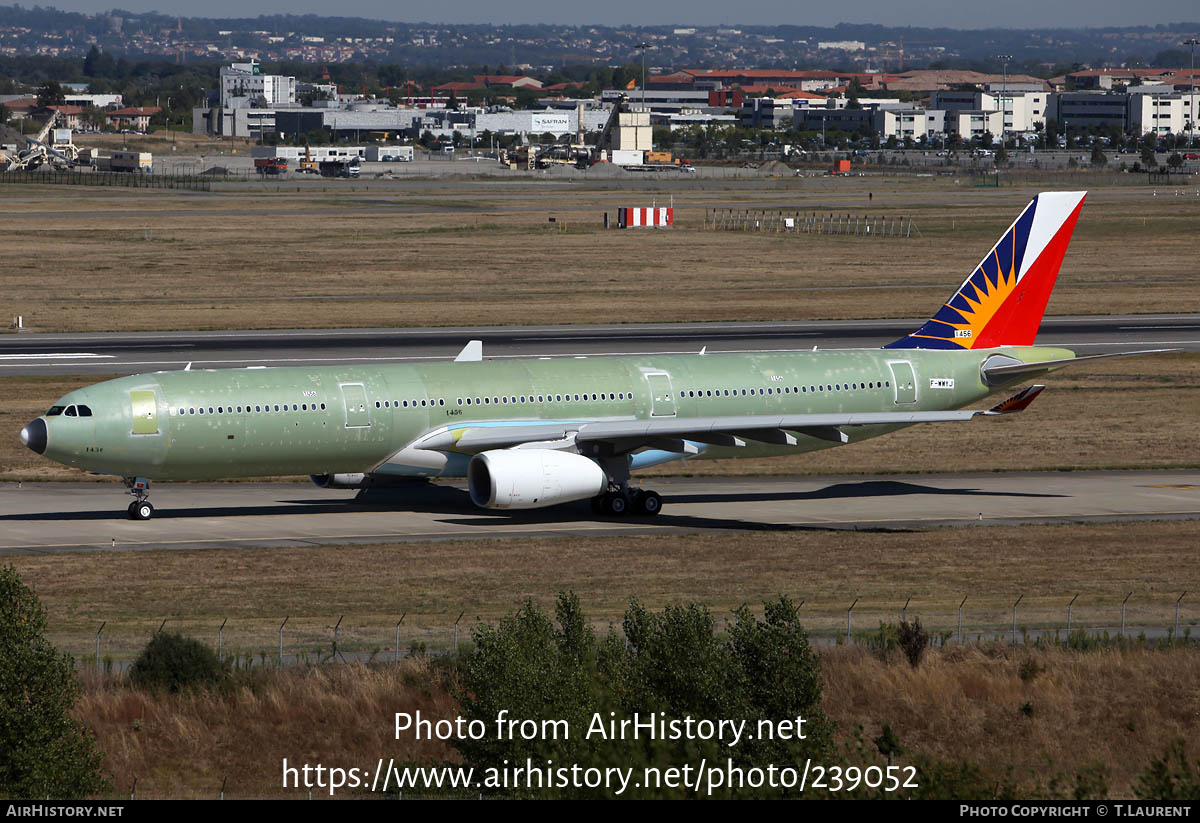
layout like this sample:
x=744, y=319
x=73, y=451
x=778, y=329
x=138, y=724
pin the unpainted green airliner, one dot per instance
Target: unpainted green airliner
x=534, y=433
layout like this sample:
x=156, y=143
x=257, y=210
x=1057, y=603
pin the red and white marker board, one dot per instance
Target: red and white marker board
x=630, y=218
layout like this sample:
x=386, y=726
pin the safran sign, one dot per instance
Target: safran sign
x=551, y=122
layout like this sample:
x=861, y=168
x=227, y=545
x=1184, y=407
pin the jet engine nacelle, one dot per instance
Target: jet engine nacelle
x=355, y=480
x=532, y=478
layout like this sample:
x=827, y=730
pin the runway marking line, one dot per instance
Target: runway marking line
x=733, y=525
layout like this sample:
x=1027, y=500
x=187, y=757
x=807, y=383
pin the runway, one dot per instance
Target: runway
x=131, y=353
x=48, y=518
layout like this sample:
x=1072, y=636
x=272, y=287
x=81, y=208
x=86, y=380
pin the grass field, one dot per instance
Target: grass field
x=1094, y=416
x=432, y=582
x=1112, y=710
x=446, y=253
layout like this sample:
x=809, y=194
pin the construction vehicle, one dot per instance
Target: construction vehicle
x=270, y=165
x=306, y=164
x=37, y=152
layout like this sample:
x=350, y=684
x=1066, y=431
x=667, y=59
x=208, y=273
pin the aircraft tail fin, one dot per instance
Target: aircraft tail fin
x=1002, y=302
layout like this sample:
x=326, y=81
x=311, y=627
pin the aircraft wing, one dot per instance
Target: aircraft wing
x=682, y=433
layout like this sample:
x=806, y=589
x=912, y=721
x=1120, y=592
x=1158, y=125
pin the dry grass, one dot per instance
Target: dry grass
x=185, y=745
x=1117, y=709
x=433, y=581
x=454, y=253
x=1093, y=417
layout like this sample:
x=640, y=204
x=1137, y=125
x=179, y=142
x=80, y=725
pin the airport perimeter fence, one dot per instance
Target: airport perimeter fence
x=781, y=222
x=107, y=179
x=1124, y=620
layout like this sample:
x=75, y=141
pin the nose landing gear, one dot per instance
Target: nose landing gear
x=140, y=508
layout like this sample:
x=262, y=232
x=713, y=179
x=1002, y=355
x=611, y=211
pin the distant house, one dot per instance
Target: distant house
x=70, y=117
x=457, y=89
x=20, y=107
x=136, y=118
x=509, y=81
x=562, y=86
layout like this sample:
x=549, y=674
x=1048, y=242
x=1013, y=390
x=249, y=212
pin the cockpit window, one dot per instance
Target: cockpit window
x=85, y=411
x=71, y=412
x=55, y=411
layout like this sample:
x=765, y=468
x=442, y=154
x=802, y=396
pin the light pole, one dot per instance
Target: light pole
x=1003, y=58
x=1191, y=43
x=643, y=47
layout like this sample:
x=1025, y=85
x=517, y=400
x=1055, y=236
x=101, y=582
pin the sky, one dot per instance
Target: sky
x=962, y=14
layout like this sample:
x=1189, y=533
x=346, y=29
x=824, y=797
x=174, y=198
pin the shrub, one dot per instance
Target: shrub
x=1170, y=777
x=672, y=663
x=173, y=662
x=913, y=640
x=43, y=751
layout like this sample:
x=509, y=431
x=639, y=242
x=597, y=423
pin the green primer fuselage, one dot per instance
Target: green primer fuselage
x=352, y=418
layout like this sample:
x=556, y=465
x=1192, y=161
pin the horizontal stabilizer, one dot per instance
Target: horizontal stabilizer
x=1009, y=371
x=1019, y=402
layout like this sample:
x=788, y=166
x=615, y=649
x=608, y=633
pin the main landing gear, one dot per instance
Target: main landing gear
x=625, y=501
x=621, y=499
x=140, y=508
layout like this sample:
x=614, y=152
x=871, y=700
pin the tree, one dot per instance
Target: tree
x=1099, y=160
x=4, y=115
x=43, y=751
x=1175, y=161
x=51, y=94
x=1148, y=158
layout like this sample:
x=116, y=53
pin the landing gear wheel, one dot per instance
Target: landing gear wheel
x=649, y=503
x=616, y=504
x=141, y=510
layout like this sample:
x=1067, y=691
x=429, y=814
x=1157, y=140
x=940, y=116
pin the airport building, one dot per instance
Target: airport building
x=910, y=123
x=973, y=124
x=250, y=104
x=1157, y=114
x=1090, y=109
x=242, y=84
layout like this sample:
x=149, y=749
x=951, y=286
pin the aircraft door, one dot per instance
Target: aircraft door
x=144, y=409
x=904, y=382
x=662, y=401
x=354, y=397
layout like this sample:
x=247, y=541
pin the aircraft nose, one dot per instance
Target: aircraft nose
x=34, y=436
